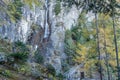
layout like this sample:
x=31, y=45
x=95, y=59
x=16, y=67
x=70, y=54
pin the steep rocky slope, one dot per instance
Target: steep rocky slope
x=42, y=29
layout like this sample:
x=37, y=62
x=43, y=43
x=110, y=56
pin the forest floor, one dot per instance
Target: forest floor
x=8, y=74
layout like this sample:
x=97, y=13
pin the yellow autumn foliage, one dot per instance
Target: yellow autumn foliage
x=113, y=63
x=89, y=64
x=30, y=2
x=88, y=51
x=81, y=50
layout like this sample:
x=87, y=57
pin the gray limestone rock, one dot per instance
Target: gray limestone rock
x=3, y=57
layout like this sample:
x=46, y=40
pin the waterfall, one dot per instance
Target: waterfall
x=46, y=17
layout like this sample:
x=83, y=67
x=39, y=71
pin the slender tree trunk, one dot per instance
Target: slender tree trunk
x=106, y=60
x=98, y=46
x=115, y=41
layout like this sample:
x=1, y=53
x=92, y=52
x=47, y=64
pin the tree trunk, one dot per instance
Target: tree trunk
x=98, y=47
x=106, y=54
x=115, y=41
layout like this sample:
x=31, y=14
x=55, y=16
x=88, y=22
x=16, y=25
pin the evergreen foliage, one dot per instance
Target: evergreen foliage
x=51, y=69
x=20, y=51
x=15, y=10
x=57, y=8
x=38, y=57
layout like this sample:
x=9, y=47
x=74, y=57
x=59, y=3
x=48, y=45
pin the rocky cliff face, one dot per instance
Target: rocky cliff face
x=43, y=30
